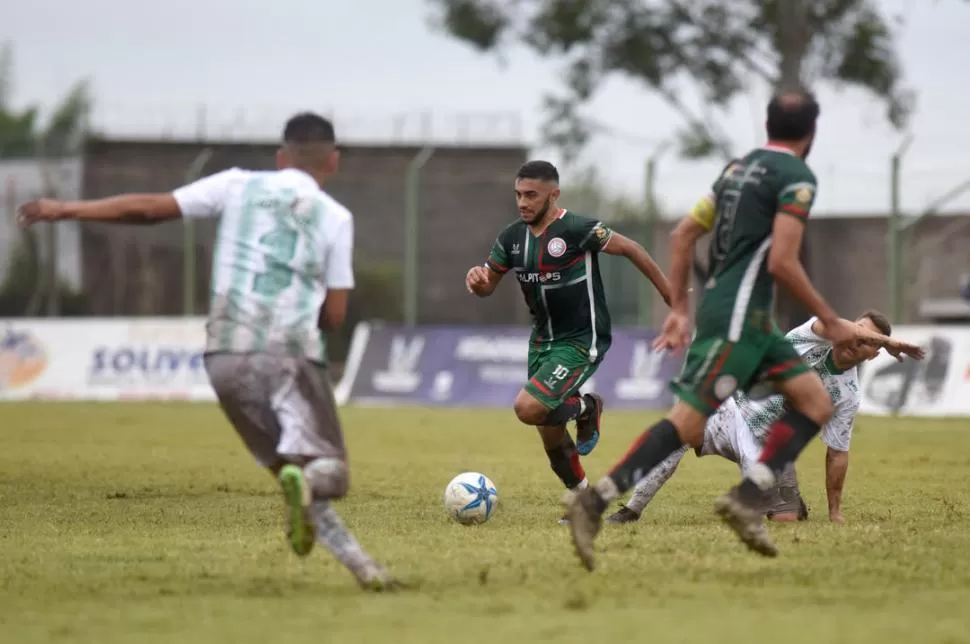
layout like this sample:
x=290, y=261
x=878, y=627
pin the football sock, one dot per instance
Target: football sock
x=653, y=446
x=570, y=409
x=564, y=461
x=333, y=535
x=787, y=437
x=649, y=485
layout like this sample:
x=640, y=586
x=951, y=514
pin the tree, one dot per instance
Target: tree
x=21, y=133
x=721, y=48
x=30, y=279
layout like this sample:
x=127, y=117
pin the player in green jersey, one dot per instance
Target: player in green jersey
x=757, y=212
x=553, y=254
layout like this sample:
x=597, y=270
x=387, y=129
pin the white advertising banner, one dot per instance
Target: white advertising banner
x=103, y=359
x=938, y=385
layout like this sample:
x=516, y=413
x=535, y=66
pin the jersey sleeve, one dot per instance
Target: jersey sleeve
x=593, y=235
x=206, y=197
x=703, y=211
x=797, y=195
x=498, y=258
x=340, y=259
x=837, y=433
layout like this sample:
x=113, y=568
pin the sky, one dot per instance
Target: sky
x=384, y=73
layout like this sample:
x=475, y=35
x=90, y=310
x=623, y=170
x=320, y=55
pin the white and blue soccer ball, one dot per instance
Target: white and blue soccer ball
x=470, y=498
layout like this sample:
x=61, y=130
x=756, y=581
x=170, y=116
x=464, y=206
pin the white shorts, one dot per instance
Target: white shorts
x=727, y=435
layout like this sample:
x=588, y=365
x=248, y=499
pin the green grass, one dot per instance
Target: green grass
x=150, y=523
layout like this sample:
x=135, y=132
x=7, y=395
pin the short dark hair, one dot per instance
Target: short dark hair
x=792, y=116
x=307, y=127
x=538, y=170
x=880, y=320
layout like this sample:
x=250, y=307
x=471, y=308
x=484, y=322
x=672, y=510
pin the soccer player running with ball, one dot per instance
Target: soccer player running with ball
x=283, y=267
x=738, y=429
x=758, y=210
x=553, y=253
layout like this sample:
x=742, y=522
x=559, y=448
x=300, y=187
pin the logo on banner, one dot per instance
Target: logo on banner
x=913, y=383
x=644, y=382
x=141, y=364
x=22, y=359
x=401, y=375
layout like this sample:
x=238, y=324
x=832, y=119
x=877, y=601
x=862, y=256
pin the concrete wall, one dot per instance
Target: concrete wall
x=466, y=198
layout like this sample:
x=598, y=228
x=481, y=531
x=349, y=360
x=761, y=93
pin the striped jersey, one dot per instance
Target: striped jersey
x=558, y=272
x=843, y=387
x=282, y=243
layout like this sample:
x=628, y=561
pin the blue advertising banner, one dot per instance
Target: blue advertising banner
x=486, y=367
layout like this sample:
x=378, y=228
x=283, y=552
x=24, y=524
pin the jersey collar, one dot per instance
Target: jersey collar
x=777, y=148
x=830, y=365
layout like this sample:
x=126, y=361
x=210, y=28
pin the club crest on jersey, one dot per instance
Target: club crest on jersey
x=803, y=195
x=724, y=386
x=600, y=232
x=556, y=247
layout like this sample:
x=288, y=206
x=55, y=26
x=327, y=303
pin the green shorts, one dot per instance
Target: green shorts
x=715, y=368
x=557, y=371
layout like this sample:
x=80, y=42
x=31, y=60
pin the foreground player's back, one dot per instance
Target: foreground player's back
x=748, y=195
x=275, y=245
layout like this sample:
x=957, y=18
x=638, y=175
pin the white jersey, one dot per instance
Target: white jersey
x=843, y=387
x=282, y=243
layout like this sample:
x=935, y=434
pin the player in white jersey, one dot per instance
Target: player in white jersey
x=282, y=272
x=738, y=430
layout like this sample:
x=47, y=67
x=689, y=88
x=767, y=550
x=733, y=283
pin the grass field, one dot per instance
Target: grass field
x=149, y=523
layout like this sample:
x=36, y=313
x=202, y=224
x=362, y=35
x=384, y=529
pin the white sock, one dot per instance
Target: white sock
x=649, y=485
x=334, y=536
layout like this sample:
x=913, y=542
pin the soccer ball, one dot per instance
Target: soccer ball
x=470, y=498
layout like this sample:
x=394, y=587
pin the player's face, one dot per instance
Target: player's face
x=858, y=353
x=534, y=199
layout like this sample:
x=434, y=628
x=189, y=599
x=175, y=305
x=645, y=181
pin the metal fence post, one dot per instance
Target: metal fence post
x=412, y=233
x=188, y=239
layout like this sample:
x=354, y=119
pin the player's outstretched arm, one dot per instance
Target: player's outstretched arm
x=130, y=208
x=786, y=267
x=639, y=257
x=836, y=467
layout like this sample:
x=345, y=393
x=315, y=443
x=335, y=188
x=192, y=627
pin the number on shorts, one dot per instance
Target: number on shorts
x=281, y=246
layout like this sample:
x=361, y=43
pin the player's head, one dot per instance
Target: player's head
x=857, y=353
x=309, y=144
x=791, y=120
x=536, y=190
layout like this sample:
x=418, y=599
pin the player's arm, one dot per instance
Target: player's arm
x=483, y=279
x=683, y=239
x=617, y=244
x=836, y=436
x=784, y=261
x=339, y=276
x=202, y=198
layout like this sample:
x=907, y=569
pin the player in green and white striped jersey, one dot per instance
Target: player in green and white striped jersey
x=739, y=428
x=282, y=270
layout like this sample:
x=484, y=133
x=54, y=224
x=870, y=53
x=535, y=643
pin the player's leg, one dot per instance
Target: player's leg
x=710, y=373
x=720, y=439
x=312, y=440
x=647, y=489
x=808, y=407
x=550, y=399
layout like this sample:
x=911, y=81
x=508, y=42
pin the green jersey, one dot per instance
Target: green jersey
x=559, y=274
x=747, y=196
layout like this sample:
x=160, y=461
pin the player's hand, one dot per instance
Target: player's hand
x=40, y=210
x=675, y=332
x=476, y=279
x=898, y=349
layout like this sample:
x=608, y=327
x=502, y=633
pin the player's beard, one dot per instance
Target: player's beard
x=542, y=211
x=808, y=148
